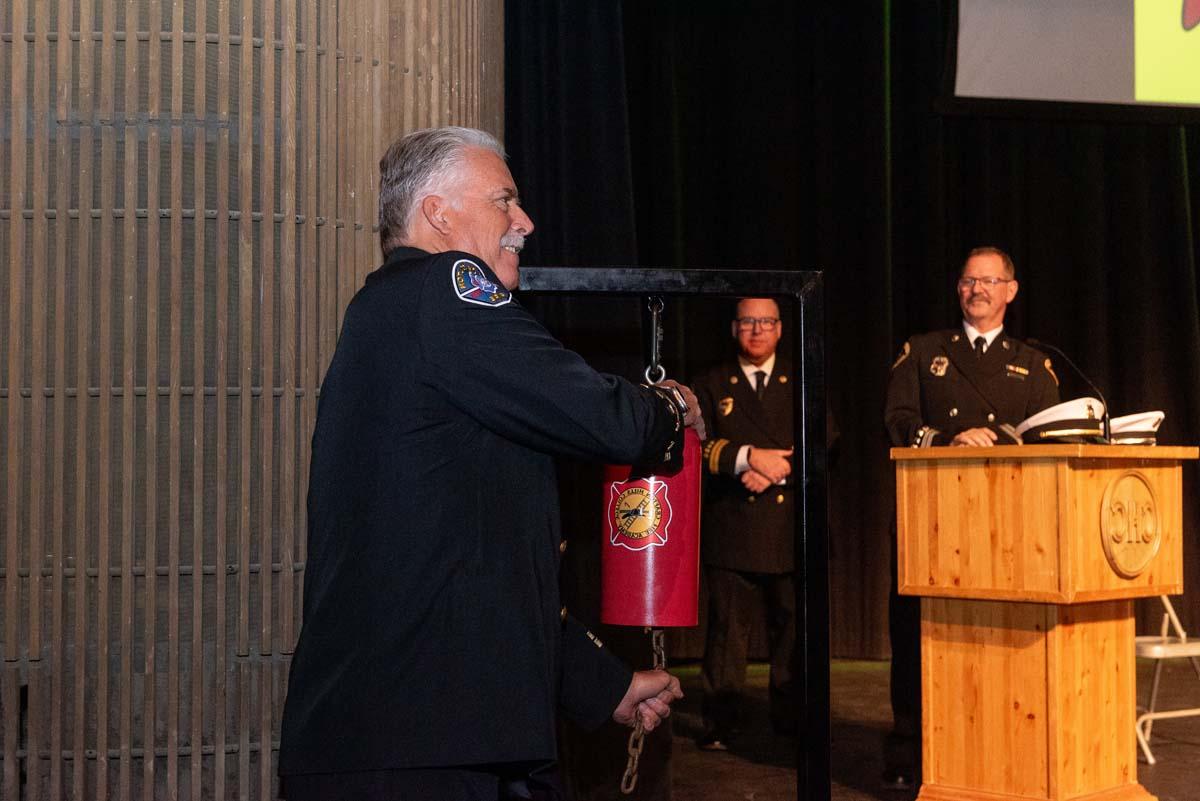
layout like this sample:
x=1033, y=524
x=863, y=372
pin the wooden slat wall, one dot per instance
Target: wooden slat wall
x=187, y=203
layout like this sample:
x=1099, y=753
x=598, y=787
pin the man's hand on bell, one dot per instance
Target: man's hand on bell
x=692, y=418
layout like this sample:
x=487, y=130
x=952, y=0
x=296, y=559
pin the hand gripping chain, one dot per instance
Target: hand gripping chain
x=637, y=737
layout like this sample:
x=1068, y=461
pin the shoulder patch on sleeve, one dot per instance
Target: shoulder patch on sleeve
x=472, y=285
x=903, y=355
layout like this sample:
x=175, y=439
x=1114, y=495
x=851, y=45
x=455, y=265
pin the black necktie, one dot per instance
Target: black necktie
x=760, y=383
x=980, y=344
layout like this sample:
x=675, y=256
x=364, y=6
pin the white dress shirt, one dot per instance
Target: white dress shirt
x=749, y=369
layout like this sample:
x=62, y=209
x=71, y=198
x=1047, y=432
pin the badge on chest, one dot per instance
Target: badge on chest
x=939, y=365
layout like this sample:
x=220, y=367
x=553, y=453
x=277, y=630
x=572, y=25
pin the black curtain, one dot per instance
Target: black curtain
x=776, y=135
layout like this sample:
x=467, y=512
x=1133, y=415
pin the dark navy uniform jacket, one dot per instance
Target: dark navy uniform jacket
x=939, y=387
x=433, y=633
x=742, y=530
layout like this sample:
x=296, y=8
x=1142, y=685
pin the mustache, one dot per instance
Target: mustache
x=513, y=241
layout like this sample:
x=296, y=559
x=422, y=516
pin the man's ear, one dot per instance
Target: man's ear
x=1012, y=291
x=433, y=209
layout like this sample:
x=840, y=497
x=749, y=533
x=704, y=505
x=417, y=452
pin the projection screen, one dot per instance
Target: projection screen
x=1127, y=52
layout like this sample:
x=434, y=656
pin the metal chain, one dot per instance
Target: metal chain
x=655, y=305
x=638, y=736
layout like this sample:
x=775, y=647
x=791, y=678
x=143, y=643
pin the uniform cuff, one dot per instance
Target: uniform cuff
x=742, y=464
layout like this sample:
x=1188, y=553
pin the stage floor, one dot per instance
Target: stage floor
x=761, y=767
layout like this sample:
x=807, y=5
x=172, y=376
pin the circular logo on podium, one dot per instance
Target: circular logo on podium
x=1130, y=529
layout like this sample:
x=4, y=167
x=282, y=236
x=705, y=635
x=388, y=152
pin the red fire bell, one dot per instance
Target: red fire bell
x=650, y=551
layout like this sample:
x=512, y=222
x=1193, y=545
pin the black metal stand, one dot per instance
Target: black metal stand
x=803, y=289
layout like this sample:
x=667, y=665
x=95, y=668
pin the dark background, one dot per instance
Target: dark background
x=807, y=136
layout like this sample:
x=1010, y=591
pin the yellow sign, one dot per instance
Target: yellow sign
x=1166, y=53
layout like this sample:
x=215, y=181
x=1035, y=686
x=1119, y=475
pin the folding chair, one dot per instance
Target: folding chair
x=1161, y=647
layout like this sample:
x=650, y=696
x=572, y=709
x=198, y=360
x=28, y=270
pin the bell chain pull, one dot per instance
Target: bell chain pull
x=637, y=737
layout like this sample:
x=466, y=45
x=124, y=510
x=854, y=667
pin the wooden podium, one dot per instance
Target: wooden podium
x=1027, y=559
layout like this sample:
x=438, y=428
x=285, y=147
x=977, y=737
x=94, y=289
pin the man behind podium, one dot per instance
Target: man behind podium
x=954, y=387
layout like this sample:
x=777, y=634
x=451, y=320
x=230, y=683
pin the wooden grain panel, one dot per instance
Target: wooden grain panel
x=200, y=326
x=328, y=320
x=16, y=339
x=310, y=257
x=246, y=267
x=150, y=456
x=221, y=555
x=978, y=529
x=59, y=634
x=1027, y=528
x=10, y=704
x=135, y=464
x=1091, y=666
x=106, y=346
x=35, y=730
x=174, y=401
x=1160, y=452
x=488, y=74
x=346, y=168
x=39, y=202
x=131, y=291
x=289, y=401
x=267, y=327
x=1094, y=577
x=984, y=696
x=267, y=445
x=85, y=355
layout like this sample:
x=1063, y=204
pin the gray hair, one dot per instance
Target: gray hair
x=416, y=165
x=1010, y=269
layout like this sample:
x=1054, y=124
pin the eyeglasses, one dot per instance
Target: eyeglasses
x=765, y=323
x=988, y=283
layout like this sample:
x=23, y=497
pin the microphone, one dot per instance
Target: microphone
x=1037, y=343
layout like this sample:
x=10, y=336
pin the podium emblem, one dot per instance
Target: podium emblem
x=1130, y=529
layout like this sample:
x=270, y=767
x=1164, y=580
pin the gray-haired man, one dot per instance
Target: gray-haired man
x=434, y=651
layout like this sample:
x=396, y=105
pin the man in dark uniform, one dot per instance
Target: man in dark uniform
x=748, y=532
x=434, y=650
x=954, y=387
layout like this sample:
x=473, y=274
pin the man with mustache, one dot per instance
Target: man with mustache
x=434, y=651
x=954, y=388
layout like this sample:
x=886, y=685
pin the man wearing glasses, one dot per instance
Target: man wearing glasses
x=954, y=387
x=747, y=522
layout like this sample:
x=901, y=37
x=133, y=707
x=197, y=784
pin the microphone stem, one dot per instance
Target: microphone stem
x=1104, y=422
